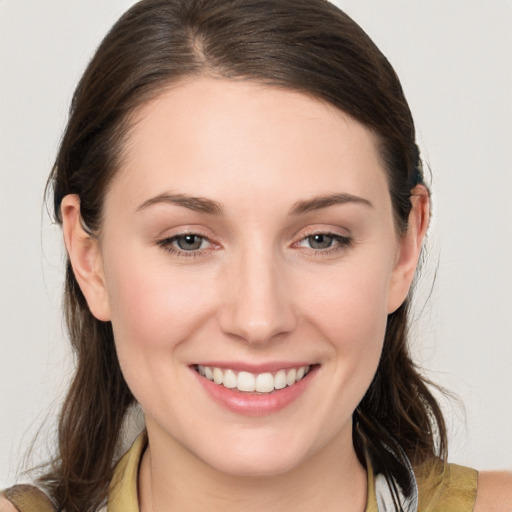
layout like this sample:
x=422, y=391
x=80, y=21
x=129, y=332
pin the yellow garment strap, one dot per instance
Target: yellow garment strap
x=371, y=499
x=27, y=498
x=122, y=494
x=447, y=487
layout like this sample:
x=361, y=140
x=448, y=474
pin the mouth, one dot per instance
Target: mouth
x=256, y=383
x=255, y=391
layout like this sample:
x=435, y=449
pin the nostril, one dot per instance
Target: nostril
x=257, y=326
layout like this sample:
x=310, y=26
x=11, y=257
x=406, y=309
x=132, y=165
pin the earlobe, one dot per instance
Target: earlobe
x=85, y=257
x=409, y=248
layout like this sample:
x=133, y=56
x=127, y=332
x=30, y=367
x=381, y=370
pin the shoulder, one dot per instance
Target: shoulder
x=494, y=492
x=457, y=488
x=6, y=505
x=24, y=497
x=443, y=487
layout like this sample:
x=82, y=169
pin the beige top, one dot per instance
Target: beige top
x=445, y=487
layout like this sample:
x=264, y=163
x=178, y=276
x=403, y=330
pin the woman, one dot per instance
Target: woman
x=243, y=207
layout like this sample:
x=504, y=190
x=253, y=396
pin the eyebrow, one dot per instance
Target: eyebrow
x=203, y=205
x=197, y=204
x=317, y=203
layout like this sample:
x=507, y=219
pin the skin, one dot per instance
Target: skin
x=255, y=292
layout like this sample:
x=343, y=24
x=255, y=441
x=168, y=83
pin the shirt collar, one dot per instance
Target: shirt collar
x=123, y=496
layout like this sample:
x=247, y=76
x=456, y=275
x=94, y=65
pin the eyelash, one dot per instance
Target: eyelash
x=340, y=243
x=167, y=244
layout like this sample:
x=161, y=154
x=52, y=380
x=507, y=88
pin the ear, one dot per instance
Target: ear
x=85, y=257
x=409, y=248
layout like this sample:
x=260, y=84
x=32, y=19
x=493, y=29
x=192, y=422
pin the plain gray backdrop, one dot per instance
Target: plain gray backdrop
x=455, y=62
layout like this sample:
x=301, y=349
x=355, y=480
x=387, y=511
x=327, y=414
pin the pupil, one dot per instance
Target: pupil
x=189, y=242
x=320, y=241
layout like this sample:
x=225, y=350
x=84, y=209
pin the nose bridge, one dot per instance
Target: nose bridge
x=257, y=305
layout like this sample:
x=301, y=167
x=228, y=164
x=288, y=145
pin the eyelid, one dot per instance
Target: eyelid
x=313, y=227
x=321, y=230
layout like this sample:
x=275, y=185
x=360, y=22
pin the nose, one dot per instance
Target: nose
x=257, y=305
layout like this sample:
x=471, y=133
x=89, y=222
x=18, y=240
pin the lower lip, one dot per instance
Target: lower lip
x=253, y=404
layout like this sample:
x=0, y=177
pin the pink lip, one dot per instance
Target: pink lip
x=254, y=404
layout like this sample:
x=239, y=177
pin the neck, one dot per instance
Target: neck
x=171, y=478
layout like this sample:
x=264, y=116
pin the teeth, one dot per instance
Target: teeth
x=249, y=382
x=290, y=377
x=280, y=379
x=218, y=376
x=246, y=381
x=264, y=383
x=229, y=380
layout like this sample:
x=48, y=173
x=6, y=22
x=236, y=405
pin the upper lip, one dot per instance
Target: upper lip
x=255, y=368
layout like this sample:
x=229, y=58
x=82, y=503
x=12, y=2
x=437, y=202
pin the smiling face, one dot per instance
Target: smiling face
x=247, y=239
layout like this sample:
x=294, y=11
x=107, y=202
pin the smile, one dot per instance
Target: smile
x=250, y=382
x=255, y=391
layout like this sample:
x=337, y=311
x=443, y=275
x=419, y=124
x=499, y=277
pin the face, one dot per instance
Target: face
x=248, y=239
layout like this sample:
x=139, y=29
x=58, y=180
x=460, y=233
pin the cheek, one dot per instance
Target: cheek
x=350, y=313
x=351, y=305
x=154, y=309
x=153, y=302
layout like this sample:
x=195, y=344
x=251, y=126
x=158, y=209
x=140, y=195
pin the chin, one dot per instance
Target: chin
x=257, y=466
x=256, y=457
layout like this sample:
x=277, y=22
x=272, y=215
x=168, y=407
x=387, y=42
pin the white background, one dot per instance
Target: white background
x=455, y=62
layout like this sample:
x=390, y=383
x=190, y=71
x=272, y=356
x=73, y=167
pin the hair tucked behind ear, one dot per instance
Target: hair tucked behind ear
x=308, y=46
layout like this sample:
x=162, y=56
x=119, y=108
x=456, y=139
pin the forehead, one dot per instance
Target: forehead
x=243, y=141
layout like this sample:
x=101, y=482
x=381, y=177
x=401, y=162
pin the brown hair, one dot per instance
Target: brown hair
x=308, y=46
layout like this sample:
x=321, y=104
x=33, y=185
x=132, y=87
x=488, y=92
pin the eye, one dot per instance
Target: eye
x=189, y=242
x=324, y=242
x=186, y=244
x=320, y=241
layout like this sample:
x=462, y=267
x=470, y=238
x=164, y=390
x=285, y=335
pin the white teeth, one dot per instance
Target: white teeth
x=218, y=376
x=246, y=381
x=290, y=377
x=264, y=383
x=229, y=379
x=249, y=382
x=280, y=379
